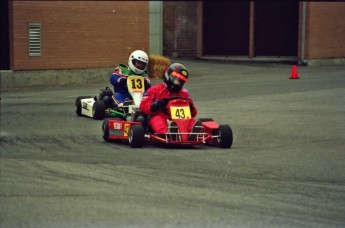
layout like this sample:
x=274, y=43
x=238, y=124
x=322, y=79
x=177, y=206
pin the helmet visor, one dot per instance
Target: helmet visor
x=139, y=64
x=177, y=79
x=177, y=82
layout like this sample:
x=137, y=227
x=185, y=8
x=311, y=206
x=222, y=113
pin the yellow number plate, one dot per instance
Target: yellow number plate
x=180, y=112
x=136, y=84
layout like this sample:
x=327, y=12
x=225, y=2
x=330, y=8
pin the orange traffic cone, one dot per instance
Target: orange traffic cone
x=294, y=74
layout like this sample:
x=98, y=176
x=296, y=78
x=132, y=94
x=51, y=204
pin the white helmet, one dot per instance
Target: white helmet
x=138, y=61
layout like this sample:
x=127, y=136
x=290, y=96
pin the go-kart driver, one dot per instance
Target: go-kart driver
x=137, y=64
x=156, y=98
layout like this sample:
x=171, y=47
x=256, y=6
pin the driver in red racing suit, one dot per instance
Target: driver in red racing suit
x=155, y=98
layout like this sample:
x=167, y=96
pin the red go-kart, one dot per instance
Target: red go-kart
x=138, y=131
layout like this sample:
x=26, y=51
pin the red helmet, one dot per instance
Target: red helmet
x=175, y=76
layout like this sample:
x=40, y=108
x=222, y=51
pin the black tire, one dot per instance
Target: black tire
x=226, y=138
x=107, y=101
x=105, y=130
x=78, y=104
x=205, y=119
x=136, y=137
x=98, y=110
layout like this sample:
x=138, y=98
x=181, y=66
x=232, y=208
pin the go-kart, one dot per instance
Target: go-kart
x=138, y=131
x=103, y=106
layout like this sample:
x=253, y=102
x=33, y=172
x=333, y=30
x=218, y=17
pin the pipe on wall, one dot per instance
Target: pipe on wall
x=303, y=30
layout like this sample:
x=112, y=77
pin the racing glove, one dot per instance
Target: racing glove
x=158, y=104
x=122, y=81
x=146, y=82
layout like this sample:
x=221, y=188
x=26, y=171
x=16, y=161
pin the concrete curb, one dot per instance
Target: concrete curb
x=326, y=62
x=21, y=79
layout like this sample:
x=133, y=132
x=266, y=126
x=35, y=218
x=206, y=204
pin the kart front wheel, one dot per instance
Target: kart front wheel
x=136, y=136
x=225, y=136
x=98, y=110
x=78, y=104
x=205, y=119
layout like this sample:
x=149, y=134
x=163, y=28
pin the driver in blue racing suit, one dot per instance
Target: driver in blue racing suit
x=137, y=65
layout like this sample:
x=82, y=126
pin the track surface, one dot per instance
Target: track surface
x=286, y=167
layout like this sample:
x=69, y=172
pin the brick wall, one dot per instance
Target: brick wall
x=325, y=34
x=180, y=28
x=79, y=34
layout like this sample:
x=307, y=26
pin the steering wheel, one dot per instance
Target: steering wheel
x=175, y=98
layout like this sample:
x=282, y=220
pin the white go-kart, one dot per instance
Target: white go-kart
x=103, y=106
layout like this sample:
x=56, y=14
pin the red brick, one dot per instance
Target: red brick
x=325, y=30
x=79, y=34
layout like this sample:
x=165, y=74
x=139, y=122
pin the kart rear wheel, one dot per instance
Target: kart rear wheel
x=105, y=130
x=98, y=110
x=136, y=136
x=225, y=136
x=78, y=104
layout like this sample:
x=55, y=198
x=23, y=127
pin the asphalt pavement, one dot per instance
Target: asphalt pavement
x=285, y=168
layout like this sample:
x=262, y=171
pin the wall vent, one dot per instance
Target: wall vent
x=34, y=39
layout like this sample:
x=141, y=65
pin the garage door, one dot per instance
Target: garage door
x=276, y=28
x=226, y=27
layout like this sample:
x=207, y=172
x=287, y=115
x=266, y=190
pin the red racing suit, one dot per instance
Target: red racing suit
x=158, y=120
